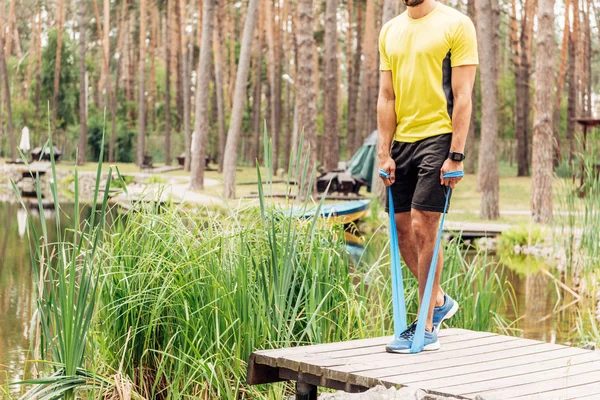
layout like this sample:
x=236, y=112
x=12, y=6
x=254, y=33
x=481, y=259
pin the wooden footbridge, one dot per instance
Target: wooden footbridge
x=469, y=364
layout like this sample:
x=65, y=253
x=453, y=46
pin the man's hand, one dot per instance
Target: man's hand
x=388, y=165
x=450, y=166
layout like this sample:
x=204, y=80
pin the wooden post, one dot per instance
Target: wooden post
x=585, y=127
x=305, y=391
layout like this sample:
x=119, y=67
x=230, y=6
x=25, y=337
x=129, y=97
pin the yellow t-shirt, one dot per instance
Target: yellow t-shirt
x=421, y=53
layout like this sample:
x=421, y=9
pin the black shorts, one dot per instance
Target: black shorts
x=418, y=166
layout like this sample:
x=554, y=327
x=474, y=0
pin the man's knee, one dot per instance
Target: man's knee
x=403, y=225
x=424, y=225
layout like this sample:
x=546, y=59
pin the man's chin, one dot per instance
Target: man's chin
x=412, y=3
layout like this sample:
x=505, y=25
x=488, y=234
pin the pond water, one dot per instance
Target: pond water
x=536, y=297
x=16, y=286
x=16, y=294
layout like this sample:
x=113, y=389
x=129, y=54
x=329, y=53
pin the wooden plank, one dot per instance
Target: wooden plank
x=351, y=344
x=445, y=372
x=381, y=365
x=447, y=341
x=421, y=367
x=378, y=352
x=586, y=392
x=260, y=373
x=513, y=375
x=269, y=357
x=543, y=386
x=503, y=351
x=317, y=364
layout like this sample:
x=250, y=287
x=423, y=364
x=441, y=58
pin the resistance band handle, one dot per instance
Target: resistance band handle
x=384, y=174
x=452, y=174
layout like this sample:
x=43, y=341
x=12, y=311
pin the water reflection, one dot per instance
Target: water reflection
x=537, y=307
x=15, y=294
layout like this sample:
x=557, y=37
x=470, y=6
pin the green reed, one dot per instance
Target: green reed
x=182, y=297
x=66, y=280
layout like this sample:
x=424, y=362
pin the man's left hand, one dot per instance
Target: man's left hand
x=450, y=166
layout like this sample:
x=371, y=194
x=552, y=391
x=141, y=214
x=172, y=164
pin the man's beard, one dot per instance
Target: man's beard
x=412, y=3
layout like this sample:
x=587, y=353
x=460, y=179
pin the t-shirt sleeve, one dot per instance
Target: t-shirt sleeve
x=464, y=44
x=384, y=61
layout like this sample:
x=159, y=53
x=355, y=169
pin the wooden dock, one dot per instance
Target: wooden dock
x=469, y=364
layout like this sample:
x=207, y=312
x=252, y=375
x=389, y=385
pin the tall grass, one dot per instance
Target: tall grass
x=580, y=206
x=66, y=281
x=184, y=297
x=187, y=296
x=579, y=224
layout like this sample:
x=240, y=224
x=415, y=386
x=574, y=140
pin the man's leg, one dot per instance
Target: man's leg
x=425, y=226
x=410, y=252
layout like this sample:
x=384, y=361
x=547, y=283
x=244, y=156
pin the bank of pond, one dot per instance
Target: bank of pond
x=169, y=302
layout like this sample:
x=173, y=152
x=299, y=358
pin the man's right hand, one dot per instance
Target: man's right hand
x=388, y=165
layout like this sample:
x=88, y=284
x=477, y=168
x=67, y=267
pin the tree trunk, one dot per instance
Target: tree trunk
x=272, y=29
x=573, y=79
x=541, y=191
x=59, y=21
x=10, y=28
x=106, y=52
x=4, y=74
x=235, y=126
x=37, y=20
x=470, y=144
x=82, y=146
x=218, y=54
x=488, y=27
x=588, y=61
x=153, y=47
x=231, y=25
x=185, y=92
x=390, y=10
x=168, y=84
x=367, y=115
x=141, y=139
x=522, y=79
x=305, y=85
x=332, y=148
x=114, y=97
x=562, y=71
x=202, y=86
x=38, y=65
x=130, y=87
x=353, y=85
x=257, y=90
x=286, y=48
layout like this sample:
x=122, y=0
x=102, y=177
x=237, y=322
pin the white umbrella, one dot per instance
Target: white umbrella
x=25, y=145
x=21, y=221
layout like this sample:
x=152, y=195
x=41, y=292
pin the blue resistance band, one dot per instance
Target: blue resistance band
x=398, y=302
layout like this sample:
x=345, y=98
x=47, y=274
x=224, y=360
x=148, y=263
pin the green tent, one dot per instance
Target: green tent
x=363, y=161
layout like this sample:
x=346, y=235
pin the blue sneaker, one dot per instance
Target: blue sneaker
x=444, y=312
x=403, y=343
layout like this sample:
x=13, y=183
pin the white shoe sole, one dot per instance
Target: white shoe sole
x=451, y=313
x=430, y=347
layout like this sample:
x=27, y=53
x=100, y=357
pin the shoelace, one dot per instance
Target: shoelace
x=409, y=333
x=398, y=302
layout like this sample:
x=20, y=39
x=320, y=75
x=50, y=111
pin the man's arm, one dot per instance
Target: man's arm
x=463, y=79
x=386, y=125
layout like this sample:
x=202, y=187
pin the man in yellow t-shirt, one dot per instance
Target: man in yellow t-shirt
x=428, y=66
